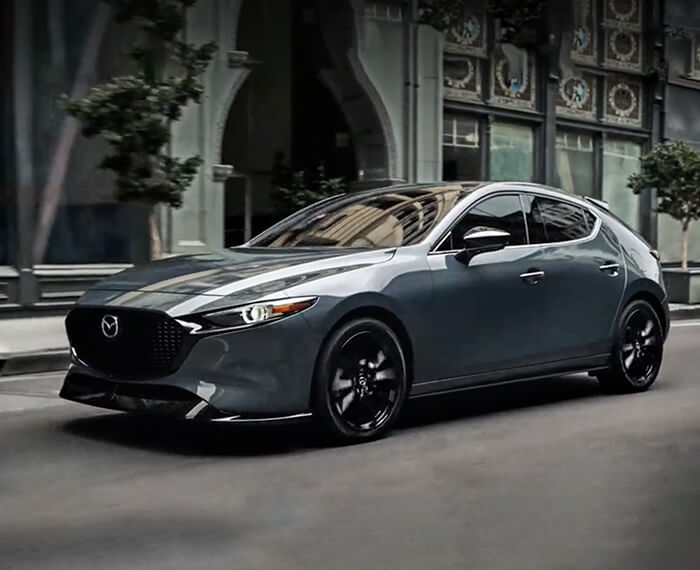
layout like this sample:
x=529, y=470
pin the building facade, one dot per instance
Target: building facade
x=357, y=85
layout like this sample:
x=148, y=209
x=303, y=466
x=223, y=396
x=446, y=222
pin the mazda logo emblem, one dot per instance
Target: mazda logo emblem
x=110, y=326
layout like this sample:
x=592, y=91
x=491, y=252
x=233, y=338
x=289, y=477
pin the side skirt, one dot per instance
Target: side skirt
x=510, y=376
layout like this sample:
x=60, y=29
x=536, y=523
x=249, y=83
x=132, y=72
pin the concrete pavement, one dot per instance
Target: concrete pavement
x=550, y=475
x=39, y=344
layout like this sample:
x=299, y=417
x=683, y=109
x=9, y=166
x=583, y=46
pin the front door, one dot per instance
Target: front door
x=485, y=313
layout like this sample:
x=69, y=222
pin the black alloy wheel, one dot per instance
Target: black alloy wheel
x=362, y=381
x=638, y=351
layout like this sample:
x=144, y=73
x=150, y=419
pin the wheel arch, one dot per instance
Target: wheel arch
x=652, y=293
x=382, y=314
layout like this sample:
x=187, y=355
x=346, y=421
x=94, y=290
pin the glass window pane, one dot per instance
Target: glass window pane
x=498, y=213
x=461, y=156
x=620, y=159
x=554, y=221
x=78, y=220
x=511, y=156
x=574, y=155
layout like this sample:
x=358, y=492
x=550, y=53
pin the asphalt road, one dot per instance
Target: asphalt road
x=548, y=475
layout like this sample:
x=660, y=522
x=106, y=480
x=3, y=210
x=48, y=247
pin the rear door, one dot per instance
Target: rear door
x=584, y=273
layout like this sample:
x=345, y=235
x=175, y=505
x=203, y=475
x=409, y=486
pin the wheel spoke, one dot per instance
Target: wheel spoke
x=627, y=348
x=379, y=360
x=629, y=360
x=648, y=327
x=385, y=375
x=347, y=400
x=651, y=341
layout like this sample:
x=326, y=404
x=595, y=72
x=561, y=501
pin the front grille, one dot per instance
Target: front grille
x=147, y=344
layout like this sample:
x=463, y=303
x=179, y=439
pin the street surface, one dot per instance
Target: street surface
x=546, y=475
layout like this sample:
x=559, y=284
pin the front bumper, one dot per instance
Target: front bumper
x=157, y=400
x=261, y=374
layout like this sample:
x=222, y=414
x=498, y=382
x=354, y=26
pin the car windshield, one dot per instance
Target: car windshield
x=374, y=219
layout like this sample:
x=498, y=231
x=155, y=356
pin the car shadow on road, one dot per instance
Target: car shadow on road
x=194, y=439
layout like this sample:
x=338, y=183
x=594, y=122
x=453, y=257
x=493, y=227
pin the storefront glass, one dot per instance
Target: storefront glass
x=574, y=155
x=620, y=159
x=74, y=45
x=511, y=156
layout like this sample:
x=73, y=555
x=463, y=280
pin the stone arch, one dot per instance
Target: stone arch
x=362, y=105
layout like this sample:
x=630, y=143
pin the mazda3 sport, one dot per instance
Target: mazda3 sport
x=346, y=309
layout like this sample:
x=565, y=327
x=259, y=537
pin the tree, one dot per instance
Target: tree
x=294, y=190
x=133, y=113
x=673, y=170
x=517, y=17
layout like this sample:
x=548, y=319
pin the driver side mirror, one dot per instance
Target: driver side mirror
x=482, y=241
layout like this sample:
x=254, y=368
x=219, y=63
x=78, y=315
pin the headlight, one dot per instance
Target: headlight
x=257, y=313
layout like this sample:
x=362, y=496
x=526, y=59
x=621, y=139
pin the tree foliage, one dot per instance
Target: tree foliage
x=673, y=170
x=133, y=113
x=514, y=15
x=293, y=190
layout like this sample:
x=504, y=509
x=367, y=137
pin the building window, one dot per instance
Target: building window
x=382, y=11
x=461, y=149
x=78, y=220
x=511, y=154
x=574, y=156
x=620, y=159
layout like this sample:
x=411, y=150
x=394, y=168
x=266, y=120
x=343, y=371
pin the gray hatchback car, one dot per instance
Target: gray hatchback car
x=347, y=308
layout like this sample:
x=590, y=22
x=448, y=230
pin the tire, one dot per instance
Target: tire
x=361, y=382
x=638, y=351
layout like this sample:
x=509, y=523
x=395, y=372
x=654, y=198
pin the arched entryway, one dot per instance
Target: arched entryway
x=301, y=99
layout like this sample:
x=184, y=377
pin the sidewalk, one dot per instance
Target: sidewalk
x=32, y=345
x=39, y=344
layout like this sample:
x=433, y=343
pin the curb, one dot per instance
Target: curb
x=55, y=360
x=685, y=314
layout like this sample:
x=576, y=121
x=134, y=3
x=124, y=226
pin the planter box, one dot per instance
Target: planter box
x=683, y=286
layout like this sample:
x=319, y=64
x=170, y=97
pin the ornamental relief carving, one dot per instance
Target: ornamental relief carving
x=462, y=79
x=469, y=36
x=511, y=90
x=623, y=101
x=576, y=97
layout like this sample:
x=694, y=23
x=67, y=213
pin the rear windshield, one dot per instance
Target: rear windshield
x=376, y=219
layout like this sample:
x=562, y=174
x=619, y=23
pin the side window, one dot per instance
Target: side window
x=554, y=221
x=497, y=213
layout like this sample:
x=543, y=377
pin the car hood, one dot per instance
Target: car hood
x=244, y=273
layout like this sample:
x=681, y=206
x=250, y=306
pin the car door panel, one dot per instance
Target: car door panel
x=484, y=313
x=585, y=283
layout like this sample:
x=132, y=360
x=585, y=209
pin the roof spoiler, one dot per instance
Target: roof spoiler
x=600, y=203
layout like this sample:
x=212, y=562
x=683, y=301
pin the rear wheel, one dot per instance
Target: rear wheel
x=361, y=383
x=638, y=351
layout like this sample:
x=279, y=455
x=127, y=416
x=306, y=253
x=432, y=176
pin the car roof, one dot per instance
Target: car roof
x=472, y=185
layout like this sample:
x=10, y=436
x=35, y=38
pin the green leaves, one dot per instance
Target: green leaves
x=514, y=15
x=673, y=170
x=294, y=190
x=133, y=113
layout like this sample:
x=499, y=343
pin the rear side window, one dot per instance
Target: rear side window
x=551, y=220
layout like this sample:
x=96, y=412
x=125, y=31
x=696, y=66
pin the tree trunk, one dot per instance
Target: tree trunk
x=156, y=249
x=684, y=245
x=51, y=193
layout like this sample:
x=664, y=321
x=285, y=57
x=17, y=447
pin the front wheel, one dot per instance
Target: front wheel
x=361, y=382
x=638, y=351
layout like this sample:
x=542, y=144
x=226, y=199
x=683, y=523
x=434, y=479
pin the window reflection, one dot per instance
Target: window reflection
x=554, y=221
x=511, y=156
x=369, y=220
x=498, y=213
x=574, y=154
x=620, y=159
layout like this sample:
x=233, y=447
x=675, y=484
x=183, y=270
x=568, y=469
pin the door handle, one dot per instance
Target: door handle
x=610, y=268
x=532, y=276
